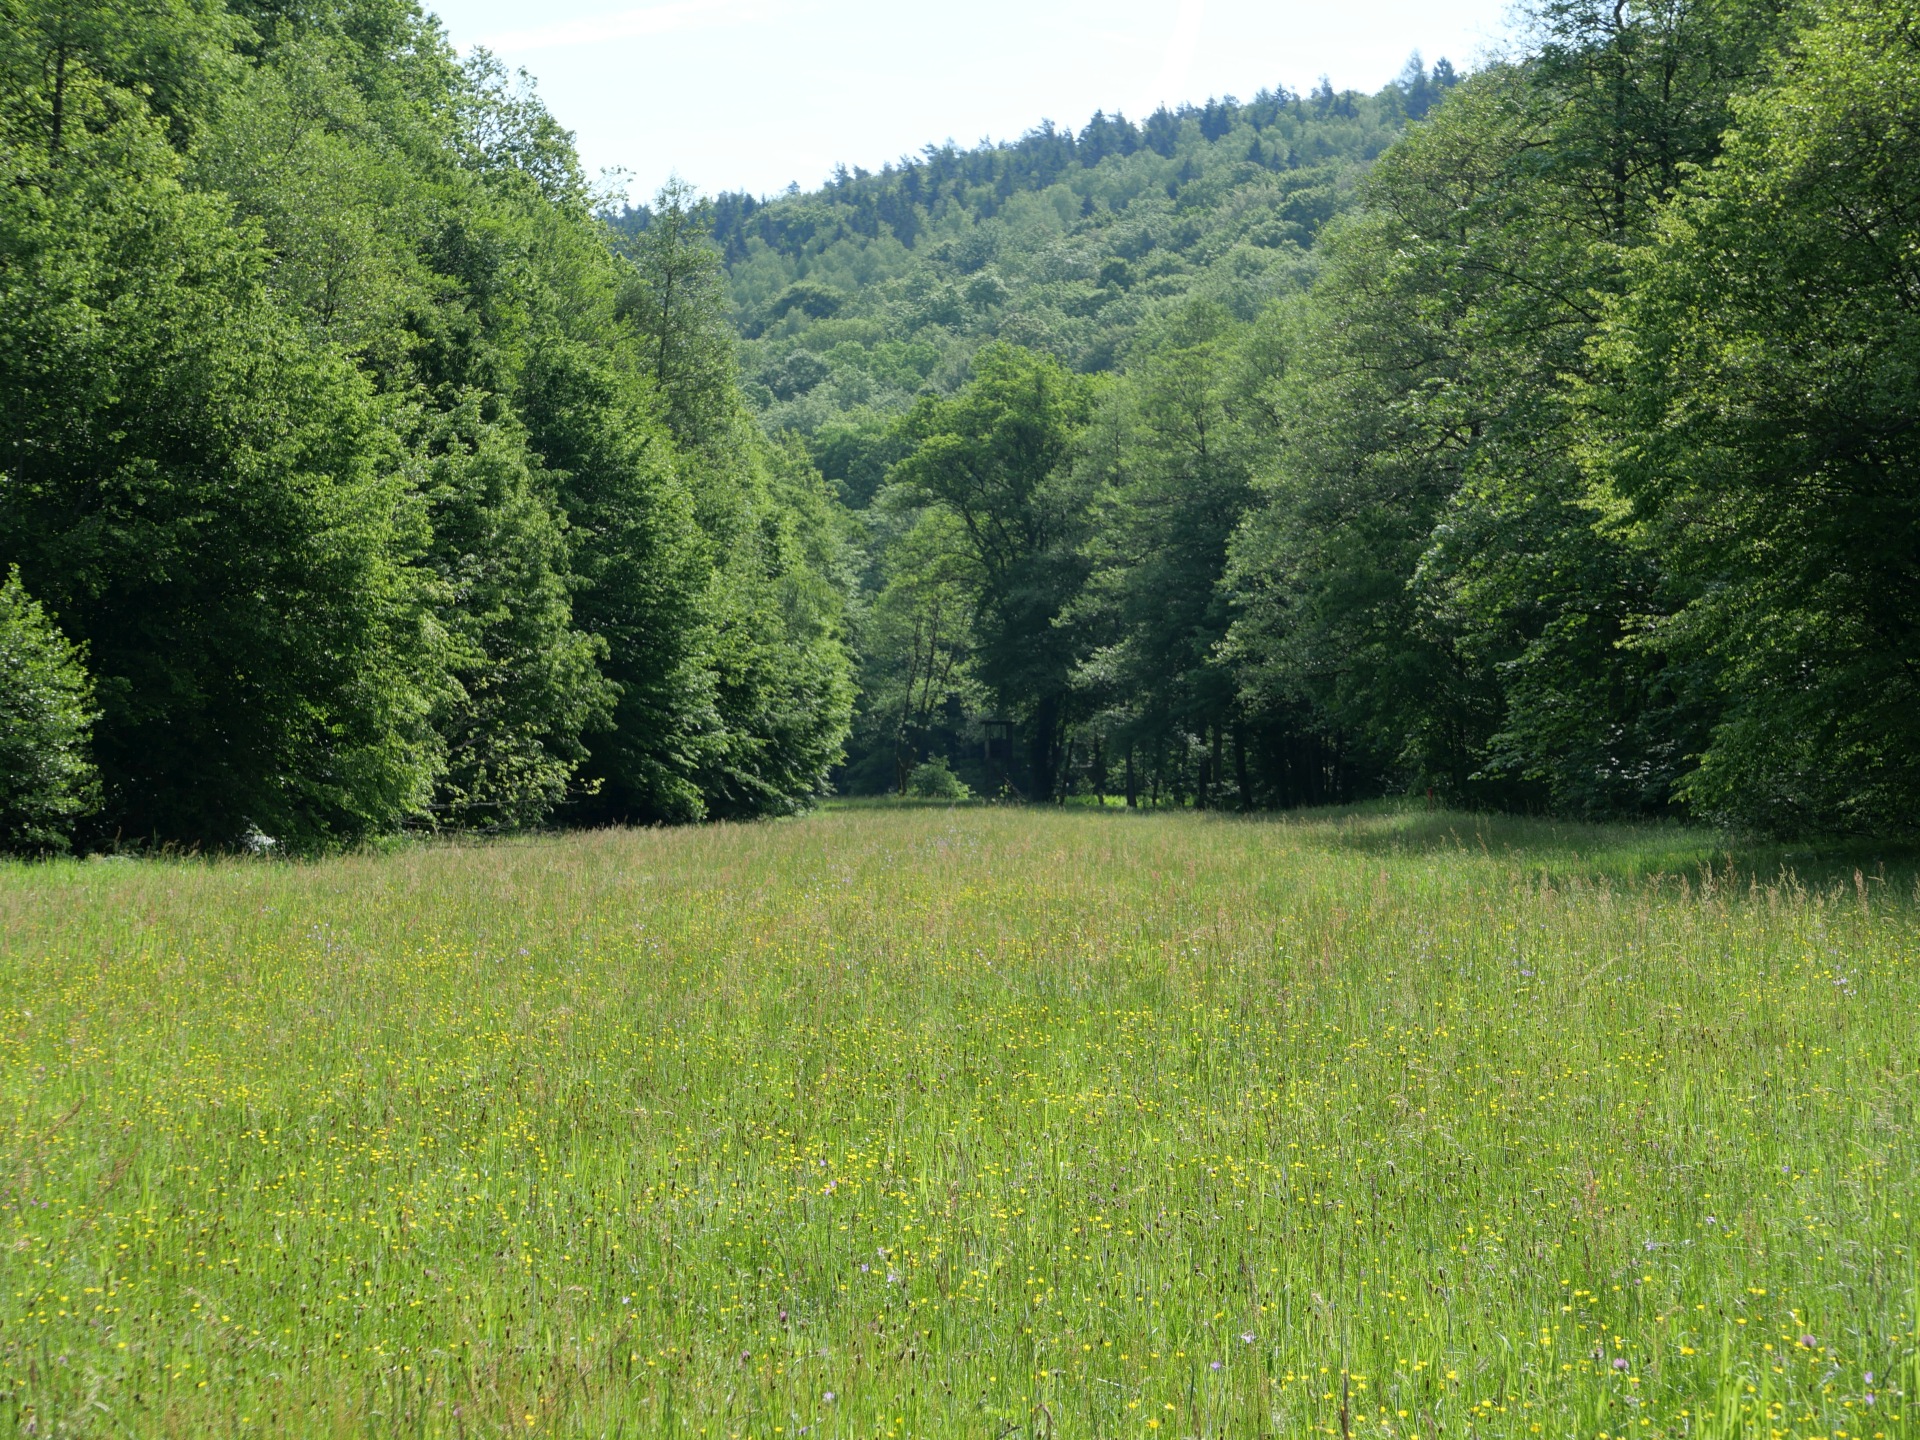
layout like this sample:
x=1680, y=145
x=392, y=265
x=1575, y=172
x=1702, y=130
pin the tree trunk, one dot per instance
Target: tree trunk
x=1216, y=772
x=1240, y=765
x=1043, y=754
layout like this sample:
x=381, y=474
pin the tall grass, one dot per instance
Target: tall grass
x=964, y=1122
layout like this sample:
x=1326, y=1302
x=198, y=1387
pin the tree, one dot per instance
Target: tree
x=1758, y=427
x=774, y=635
x=47, y=781
x=641, y=568
x=917, y=643
x=994, y=458
x=524, y=684
x=430, y=277
x=1428, y=569
x=675, y=301
x=381, y=490
x=208, y=499
x=1174, y=490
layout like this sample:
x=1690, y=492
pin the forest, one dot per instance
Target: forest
x=1542, y=438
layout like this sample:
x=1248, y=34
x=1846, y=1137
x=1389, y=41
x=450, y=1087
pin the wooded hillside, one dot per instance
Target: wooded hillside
x=1546, y=438
x=1558, y=454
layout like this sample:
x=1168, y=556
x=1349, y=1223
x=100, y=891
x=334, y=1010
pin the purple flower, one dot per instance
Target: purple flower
x=864, y=1268
x=1621, y=1363
x=1214, y=1366
x=828, y=1397
x=1247, y=1337
x=1808, y=1341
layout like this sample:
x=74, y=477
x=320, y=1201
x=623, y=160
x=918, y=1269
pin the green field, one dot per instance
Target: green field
x=975, y=1122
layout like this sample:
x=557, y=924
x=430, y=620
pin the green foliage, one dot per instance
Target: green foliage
x=1172, y=457
x=917, y=683
x=382, y=491
x=208, y=499
x=1543, y=439
x=1759, y=404
x=993, y=457
x=1577, y=479
x=879, y=293
x=776, y=631
x=46, y=778
x=1427, y=570
x=935, y=780
x=675, y=302
x=855, y=298
x=525, y=685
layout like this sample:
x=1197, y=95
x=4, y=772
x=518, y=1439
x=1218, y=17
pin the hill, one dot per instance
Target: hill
x=852, y=299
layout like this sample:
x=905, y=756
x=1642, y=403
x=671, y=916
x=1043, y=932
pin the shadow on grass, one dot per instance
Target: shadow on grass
x=1535, y=846
x=838, y=804
x=1560, y=849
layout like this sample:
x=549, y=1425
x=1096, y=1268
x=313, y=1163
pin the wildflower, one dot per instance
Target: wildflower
x=1621, y=1363
x=1246, y=1337
x=1808, y=1341
x=1214, y=1366
x=827, y=1398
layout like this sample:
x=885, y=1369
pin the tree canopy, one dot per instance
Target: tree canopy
x=1543, y=437
x=340, y=436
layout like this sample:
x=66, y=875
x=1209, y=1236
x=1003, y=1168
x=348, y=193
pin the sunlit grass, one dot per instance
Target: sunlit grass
x=982, y=1122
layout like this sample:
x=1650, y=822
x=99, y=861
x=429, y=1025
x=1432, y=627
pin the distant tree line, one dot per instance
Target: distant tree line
x=353, y=476
x=1577, y=470
x=904, y=199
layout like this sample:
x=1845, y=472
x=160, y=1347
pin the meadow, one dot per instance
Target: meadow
x=981, y=1122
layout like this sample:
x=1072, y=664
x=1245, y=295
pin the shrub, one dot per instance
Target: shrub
x=935, y=781
x=46, y=779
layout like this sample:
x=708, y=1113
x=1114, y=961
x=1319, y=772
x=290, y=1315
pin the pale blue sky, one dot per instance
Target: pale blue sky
x=749, y=94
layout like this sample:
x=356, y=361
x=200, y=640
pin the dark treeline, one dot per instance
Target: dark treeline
x=1564, y=456
x=353, y=475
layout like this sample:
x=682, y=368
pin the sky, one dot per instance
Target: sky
x=754, y=94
